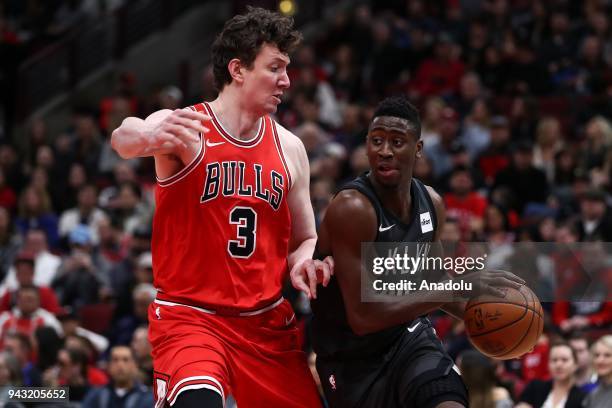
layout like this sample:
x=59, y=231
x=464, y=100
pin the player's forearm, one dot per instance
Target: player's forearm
x=131, y=138
x=455, y=309
x=303, y=252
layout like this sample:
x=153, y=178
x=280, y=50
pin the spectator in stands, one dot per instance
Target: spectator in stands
x=48, y=343
x=128, y=205
x=441, y=74
x=24, y=273
x=549, y=141
x=71, y=371
x=9, y=242
x=123, y=274
x=478, y=373
x=476, y=134
x=598, y=132
x=432, y=120
x=601, y=397
x=142, y=353
x=95, y=376
x=526, y=183
x=8, y=196
x=86, y=213
x=124, y=390
x=463, y=203
x=82, y=273
x=20, y=346
x=595, y=220
x=561, y=390
x=439, y=153
x=27, y=315
x=496, y=156
x=585, y=376
x=71, y=326
x=10, y=377
x=46, y=263
x=143, y=294
x=35, y=213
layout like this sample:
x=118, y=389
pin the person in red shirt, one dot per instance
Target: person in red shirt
x=463, y=203
x=24, y=273
x=233, y=217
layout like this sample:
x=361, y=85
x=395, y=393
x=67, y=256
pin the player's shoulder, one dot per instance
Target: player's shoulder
x=161, y=114
x=435, y=196
x=287, y=138
x=352, y=208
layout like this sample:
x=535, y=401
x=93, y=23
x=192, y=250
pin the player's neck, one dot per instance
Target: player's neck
x=397, y=200
x=239, y=121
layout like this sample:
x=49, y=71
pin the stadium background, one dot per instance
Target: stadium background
x=516, y=103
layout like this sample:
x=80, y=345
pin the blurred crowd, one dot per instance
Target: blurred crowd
x=516, y=106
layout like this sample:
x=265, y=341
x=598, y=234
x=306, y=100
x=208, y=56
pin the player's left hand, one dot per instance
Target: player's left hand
x=309, y=273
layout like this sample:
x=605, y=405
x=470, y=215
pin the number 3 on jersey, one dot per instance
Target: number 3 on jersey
x=245, y=219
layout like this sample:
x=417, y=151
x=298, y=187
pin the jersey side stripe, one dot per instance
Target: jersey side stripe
x=279, y=149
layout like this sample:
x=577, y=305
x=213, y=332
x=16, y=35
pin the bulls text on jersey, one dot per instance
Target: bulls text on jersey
x=228, y=178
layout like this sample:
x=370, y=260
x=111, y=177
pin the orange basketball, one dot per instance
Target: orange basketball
x=507, y=327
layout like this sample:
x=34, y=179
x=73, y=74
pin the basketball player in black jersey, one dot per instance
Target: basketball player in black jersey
x=387, y=354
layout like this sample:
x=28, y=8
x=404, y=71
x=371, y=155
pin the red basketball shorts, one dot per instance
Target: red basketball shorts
x=255, y=358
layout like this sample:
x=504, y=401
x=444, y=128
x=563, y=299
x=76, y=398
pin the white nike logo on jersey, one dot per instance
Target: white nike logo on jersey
x=157, y=313
x=413, y=328
x=383, y=229
x=213, y=144
x=288, y=321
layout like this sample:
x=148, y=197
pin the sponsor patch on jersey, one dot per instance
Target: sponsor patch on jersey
x=426, y=224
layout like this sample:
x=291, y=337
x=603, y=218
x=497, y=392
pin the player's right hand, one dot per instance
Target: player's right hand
x=179, y=129
x=491, y=282
x=309, y=273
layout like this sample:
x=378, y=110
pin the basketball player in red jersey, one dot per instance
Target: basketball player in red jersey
x=233, y=214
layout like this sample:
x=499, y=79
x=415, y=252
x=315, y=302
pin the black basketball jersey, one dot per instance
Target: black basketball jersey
x=332, y=335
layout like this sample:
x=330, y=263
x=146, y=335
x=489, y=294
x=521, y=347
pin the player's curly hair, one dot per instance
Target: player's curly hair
x=243, y=35
x=400, y=107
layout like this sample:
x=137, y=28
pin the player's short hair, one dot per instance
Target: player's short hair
x=243, y=35
x=400, y=107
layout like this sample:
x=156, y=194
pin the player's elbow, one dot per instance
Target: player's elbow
x=118, y=145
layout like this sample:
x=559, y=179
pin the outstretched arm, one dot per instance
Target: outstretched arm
x=169, y=136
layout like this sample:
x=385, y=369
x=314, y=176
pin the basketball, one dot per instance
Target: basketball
x=504, y=328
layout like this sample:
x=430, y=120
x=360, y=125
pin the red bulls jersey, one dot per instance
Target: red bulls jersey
x=222, y=224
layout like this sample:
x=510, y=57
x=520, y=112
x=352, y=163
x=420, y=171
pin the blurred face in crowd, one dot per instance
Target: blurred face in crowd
x=142, y=300
x=36, y=241
x=140, y=343
x=28, y=301
x=581, y=348
x=523, y=159
x=5, y=219
x=14, y=346
x=5, y=373
x=450, y=232
x=87, y=197
x=392, y=147
x=494, y=219
x=77, y=176
x=122, y=367
x=561, y=363
x=24, y=272
x=592, y=209
x=602, y=360
x=564, y=235
x=68, y=369
x=500, y=135
x=461, y=183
